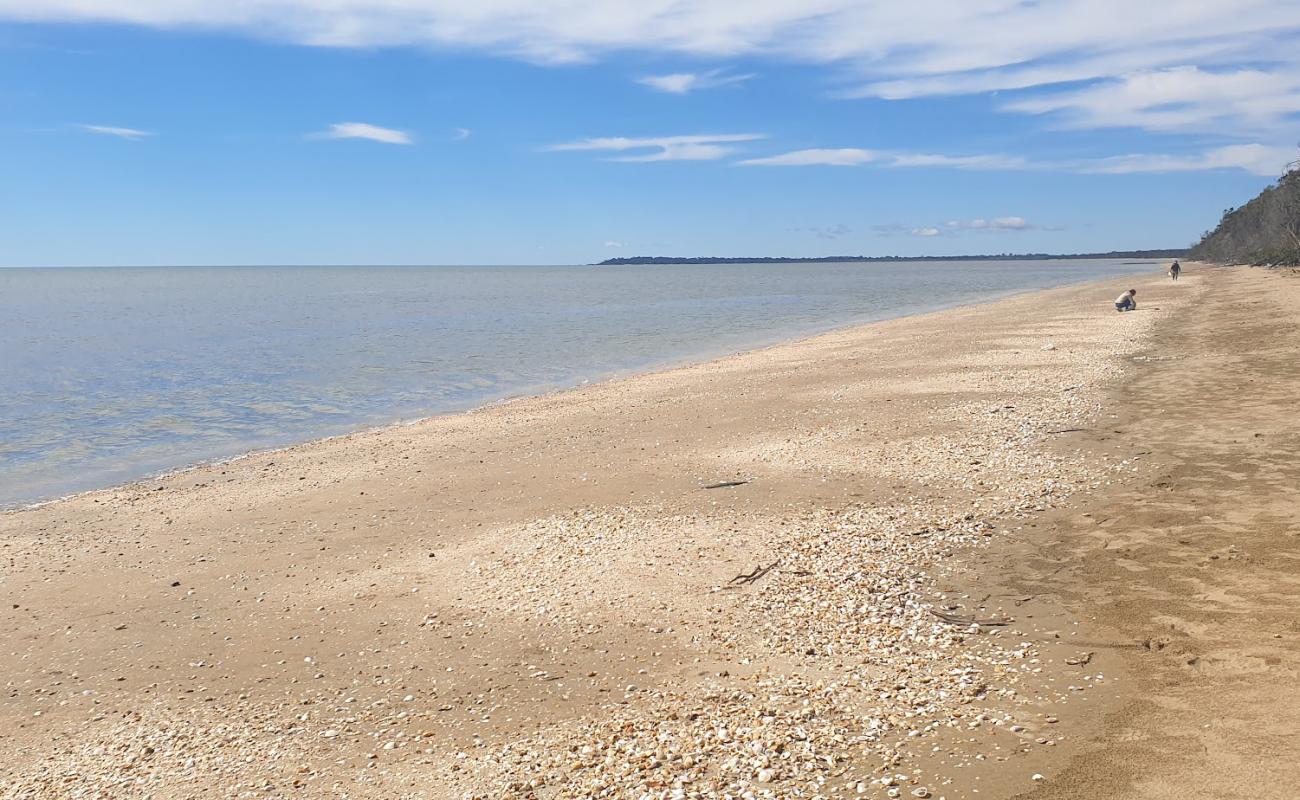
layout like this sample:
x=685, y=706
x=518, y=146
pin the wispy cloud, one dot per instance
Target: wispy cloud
x=854, y=157
x=1256, y=158
x=836, y=157
x=1181, y=99
x=1243, y=49
x=613, y=243
x=702, y=147
x=995, y=224
x=831, y=231
x=978, y=162
x=684, y=82
x=122, y=133
x=835, y=231
x=957, y=227
x=362, y=130
x=461, y=134
x=1046, y=72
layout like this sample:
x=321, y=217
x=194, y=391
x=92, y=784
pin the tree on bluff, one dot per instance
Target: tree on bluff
x=1264, y=231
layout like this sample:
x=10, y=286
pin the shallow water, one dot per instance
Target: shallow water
x=108, y=375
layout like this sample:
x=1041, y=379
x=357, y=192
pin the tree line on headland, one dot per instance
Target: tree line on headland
x=1265, y=231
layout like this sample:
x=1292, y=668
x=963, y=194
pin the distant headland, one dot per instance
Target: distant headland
x=1180, y=253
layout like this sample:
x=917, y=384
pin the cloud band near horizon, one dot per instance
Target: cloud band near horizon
x=1256, y=158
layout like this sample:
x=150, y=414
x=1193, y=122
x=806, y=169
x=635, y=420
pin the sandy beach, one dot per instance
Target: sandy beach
x=1029, y=548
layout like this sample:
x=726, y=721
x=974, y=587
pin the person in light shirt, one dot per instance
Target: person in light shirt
x=1127, y=301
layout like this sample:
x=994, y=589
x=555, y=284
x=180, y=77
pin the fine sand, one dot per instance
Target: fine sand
x=1032, y=547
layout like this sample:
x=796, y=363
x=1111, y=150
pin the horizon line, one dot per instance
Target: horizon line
x=627, y=260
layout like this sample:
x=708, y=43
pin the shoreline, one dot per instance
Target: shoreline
x=1147, y=256
x=487, y=604
x=667, y=365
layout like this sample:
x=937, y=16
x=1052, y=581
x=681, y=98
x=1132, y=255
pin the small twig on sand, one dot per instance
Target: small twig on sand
x=745, y=579
x=1068, y=430
x=726, y=484
x=955, y=619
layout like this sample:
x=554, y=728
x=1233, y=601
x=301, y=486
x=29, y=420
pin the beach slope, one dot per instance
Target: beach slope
x=815, y=569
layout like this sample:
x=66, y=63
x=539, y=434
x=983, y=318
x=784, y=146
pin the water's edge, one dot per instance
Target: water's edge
x=578, y=382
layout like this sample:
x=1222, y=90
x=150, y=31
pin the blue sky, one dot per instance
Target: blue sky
x=567, y=131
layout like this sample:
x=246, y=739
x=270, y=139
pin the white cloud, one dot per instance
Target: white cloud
x=855, y=156
x=684, y=82
x=1258, y=159
x=920, y=38
x=612, y=243
x=701, y=147
x=122, y=133
x=995, y=224
x=461, y=134
x=1104, y=64
x=839, y=157
x=676, y=83
x=1180, y=99
x=1214, y=60
x=362, y=130
x=989, y=162
x=956, y=227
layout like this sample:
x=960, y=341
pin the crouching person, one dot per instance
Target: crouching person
x=1127, y=301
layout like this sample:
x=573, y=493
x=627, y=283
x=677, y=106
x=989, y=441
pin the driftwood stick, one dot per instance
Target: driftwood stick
x=725, y=484
x=744, y=579
x=955, y=619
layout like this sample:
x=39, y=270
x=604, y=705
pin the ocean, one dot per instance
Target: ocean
x=112, y=374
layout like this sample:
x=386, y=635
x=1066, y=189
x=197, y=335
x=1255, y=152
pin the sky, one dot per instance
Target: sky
x=174, y=132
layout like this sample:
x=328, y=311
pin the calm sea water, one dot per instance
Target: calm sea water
x=108, y=375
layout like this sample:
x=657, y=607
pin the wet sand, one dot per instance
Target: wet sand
x=1187, y=575
x=542, y=599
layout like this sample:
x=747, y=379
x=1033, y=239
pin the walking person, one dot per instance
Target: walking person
x=1175, y=269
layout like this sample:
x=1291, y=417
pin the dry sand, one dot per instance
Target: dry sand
x=953, y=591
